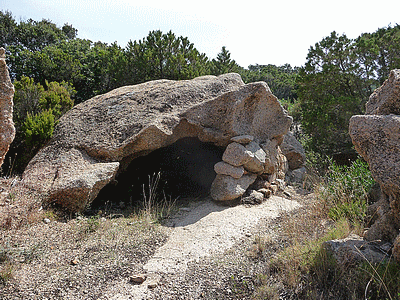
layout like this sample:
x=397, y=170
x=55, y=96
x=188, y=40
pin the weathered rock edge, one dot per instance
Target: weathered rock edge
x=7, y=129
x=376, y=137
x=97, y=138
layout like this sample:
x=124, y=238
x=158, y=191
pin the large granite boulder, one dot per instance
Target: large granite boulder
x=98, y=138
x=376, y=137
x=7, y=129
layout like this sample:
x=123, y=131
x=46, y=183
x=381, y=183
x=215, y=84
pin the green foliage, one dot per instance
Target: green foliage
x=7, y=28
x=6, y=272
x=31, y=34
x=280, y=79
x=383, y=278
x=329, y=95
x=33, y=99
x=346, y=189
x=26, y=99
x=57, y=98
x=36, y=111
x=38, y=128
x=337, y=80
x=164, y=56
x=223, y=63
x=92, y=224
x=304, y=264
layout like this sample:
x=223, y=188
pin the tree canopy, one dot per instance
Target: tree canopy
x=339, y=76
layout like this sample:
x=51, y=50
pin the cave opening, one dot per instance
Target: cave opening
x=185, y=168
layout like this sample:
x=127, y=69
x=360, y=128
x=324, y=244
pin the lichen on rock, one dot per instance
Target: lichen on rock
x=376, y=137
x=107, y=132
x=7, y=129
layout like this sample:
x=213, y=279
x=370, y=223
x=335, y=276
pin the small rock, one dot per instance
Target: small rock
x=137, y=278
x=258, y=197
x=236, y=155
x=296, y=176
x=272, y=177
x=294, y=151
x=273, y=188
x=74, y=262
x=355, y=249
x=152, y=284
x=254, y=198
x=225, y=188
x=260, y=183
x=186, y=209
x=46, y=220
x=265, y=192
x=280, y=183
x=224, y=168
x=243, y=139
x=286, y=193
x=153, y=281
x=14, y=182
x=257, y=163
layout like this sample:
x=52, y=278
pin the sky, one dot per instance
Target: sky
x=255, y=32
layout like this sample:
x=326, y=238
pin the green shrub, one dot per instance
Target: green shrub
x=36, y=111
x=346, y=189
x=39, y=128
x=26, y=99
x=57, y=98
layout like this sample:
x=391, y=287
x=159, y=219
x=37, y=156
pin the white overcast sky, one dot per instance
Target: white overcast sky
x=255, y=32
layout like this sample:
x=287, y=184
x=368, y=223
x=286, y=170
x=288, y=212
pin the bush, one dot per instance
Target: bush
x=38, y=128
x=345, y=191
x=57, y=98
x=36, y=111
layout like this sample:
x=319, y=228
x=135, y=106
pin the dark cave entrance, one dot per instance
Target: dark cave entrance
x=186, y=170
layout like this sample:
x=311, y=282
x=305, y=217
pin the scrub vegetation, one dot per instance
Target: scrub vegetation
x=53, y=69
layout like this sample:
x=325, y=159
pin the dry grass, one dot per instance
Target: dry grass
x=304, y=270
x=108, y=247
x=70, y=256
x=19, y=206
x=156, y=205
x=81, y=256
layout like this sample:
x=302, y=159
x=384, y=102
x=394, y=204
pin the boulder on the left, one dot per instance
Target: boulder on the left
x=7, y=129
x=73, y=179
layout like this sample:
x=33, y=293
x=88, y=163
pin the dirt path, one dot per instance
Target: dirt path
x=202, y=230
x=203, y=252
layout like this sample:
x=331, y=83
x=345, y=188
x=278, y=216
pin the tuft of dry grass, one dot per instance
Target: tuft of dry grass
x=156, y=205
x=19, y=206
x=303, y=269
x=103, y=248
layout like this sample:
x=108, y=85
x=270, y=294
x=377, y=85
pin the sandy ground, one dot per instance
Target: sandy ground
x=200, y=230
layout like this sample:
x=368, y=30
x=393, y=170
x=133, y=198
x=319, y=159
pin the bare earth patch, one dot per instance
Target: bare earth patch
x=205, y=251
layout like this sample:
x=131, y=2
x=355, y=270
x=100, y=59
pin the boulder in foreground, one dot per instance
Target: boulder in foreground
x=99, y=137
